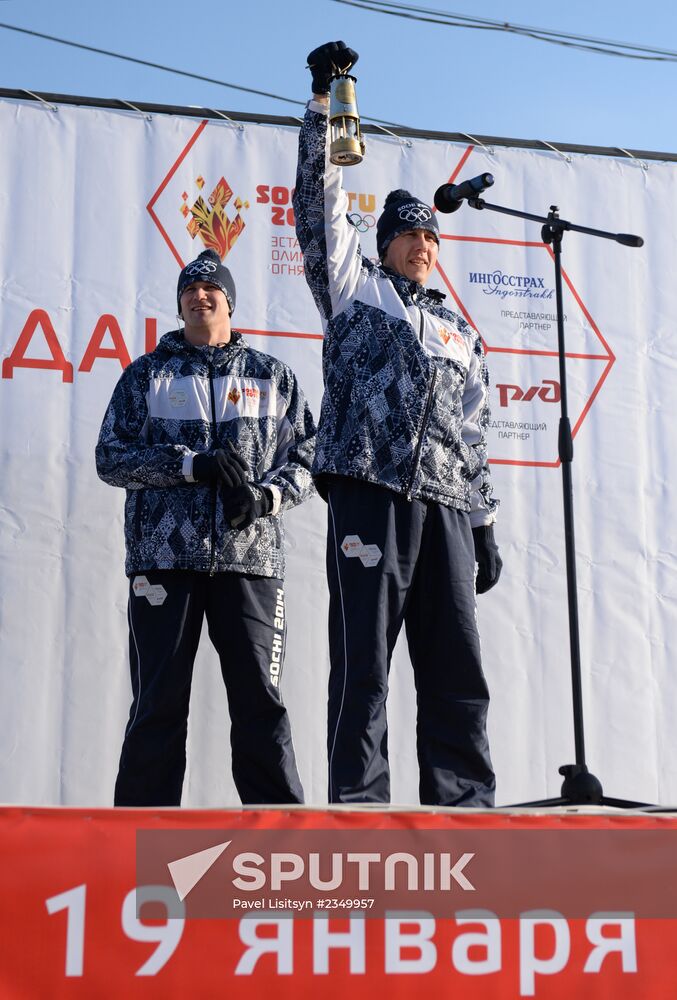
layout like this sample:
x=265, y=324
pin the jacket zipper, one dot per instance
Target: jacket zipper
x=424, y=422
x=215, y=486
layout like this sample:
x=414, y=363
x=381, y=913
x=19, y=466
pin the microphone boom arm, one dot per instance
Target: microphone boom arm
x=556, y=225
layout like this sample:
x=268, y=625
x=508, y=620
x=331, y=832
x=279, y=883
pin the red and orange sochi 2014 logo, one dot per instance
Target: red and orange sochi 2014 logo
x=208, y=219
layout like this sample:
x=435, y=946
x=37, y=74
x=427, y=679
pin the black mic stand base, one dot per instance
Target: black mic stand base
x=581, y=788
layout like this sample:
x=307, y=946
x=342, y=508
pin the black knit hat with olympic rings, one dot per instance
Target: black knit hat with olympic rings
x=207, y=267
x=403, y=212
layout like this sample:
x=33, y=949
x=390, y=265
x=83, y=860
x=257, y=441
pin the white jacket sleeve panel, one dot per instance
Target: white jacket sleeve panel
x=475, y=424
x=330, y=244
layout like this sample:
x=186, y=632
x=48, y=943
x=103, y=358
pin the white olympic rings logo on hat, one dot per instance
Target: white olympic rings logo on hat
x=201, y=267
x=415, y=213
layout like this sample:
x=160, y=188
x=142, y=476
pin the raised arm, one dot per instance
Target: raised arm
x=330, y=244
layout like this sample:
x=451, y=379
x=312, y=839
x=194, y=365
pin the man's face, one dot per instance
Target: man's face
x=413, y=254
x=204, y=308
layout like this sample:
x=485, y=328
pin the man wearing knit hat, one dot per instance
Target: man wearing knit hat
x=212, y=440
x=401, y=460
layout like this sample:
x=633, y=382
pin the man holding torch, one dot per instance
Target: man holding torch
x=401, y=460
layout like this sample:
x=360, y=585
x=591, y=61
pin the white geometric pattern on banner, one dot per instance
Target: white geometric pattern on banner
x=508, y=289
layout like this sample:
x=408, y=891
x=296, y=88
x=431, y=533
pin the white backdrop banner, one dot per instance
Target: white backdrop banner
x=99, y=209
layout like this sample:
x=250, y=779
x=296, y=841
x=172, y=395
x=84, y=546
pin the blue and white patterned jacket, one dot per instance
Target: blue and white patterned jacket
x=180, y=400
x=405, y=404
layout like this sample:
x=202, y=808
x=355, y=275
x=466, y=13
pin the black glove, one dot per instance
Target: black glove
x=223, y=466
x=489, y=562
x=242, y=506
x=328, y=61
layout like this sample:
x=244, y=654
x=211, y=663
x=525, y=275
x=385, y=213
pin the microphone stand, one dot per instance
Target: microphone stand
x=579, y=787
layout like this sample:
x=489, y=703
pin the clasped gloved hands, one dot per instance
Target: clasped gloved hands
x=489, y=563
x=223, y=466
x=327, y=61
x=243, y=502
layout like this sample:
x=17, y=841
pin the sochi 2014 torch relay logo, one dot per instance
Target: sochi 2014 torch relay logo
x=180, y=204
x=208, y=219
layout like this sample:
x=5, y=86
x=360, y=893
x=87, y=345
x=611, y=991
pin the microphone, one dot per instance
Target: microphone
x=449, y=197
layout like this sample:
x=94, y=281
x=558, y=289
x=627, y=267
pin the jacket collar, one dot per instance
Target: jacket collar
x=175, y=342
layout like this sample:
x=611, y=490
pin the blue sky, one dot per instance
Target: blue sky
x=421, y=75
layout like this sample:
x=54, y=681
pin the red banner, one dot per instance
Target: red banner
x=80, y=919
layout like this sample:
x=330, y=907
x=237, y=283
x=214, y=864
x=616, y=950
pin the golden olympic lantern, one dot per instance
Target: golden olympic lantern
x=347, y=145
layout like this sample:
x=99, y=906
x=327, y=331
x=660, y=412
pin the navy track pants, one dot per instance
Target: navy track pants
x=392, y=561
x=246, y=622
